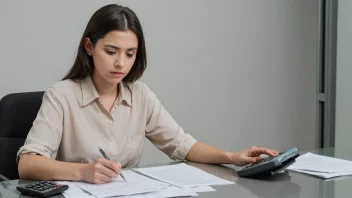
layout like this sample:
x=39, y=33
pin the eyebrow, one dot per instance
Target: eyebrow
x=117, y=48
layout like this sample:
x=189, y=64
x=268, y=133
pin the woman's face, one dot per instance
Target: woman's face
x=113, y=55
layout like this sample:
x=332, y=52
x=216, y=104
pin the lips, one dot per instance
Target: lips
x=117, y=74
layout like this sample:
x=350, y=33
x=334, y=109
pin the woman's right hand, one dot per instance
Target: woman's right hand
x=101, y=171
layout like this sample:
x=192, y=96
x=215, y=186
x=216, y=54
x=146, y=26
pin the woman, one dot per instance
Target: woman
x=100, y=103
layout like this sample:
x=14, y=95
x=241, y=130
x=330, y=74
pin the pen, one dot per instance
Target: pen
x=106, y=157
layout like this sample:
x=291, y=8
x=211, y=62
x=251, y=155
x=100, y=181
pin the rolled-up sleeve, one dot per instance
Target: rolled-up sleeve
x=164, y=132
x=45, y=135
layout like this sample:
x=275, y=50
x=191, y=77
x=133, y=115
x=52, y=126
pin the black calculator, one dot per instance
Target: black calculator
x=42, y=189
x=269, y=165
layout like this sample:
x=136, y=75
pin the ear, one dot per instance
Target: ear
x=88, y=46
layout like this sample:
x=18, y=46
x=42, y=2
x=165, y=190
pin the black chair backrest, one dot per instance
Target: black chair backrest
x=17, y=113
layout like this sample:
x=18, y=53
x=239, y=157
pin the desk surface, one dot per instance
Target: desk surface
x=282, y=185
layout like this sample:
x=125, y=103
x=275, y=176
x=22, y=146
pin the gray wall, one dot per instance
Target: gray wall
x=233, y=73
x=343, y=133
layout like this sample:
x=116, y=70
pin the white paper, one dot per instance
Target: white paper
x=171, y=191
x=202, y=189
x=321, y=166
x=319, y=163
x=74, y=191
x=325, y=175
x=136, y=184
x=182, y=175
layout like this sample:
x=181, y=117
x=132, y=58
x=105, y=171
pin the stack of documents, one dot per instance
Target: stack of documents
x=163, y=181
x=321, y=166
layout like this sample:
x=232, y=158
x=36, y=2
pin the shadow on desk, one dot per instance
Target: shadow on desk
x=279, y=185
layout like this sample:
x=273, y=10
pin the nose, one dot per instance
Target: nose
x=120, y=60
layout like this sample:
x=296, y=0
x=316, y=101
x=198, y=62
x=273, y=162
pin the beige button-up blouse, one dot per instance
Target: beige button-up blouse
x=72, y=123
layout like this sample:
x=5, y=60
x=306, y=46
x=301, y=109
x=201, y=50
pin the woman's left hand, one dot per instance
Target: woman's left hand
x=250, y=155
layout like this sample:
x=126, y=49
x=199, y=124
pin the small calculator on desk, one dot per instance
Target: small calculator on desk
x=42, y=189
x=269, y=165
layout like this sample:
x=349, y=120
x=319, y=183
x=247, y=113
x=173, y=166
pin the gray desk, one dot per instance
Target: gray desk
x=283, y=185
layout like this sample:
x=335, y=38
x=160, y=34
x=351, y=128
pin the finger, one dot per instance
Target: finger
x=254, y=159
x=260, y=151
x=274, y=152
x=99, y=167
x=258, y=158
x=116, y=167
x=252, y=152
x=101, y=178
x=108, y=172
x=248, y=160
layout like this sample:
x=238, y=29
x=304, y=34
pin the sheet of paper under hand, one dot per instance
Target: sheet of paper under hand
x=171, y=191
x=136, y=184
x=182, y=175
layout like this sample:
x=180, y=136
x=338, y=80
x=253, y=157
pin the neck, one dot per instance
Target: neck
x=104, y=88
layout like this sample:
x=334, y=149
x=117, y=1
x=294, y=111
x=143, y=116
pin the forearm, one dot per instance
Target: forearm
x=36, y=167
x=204, y=153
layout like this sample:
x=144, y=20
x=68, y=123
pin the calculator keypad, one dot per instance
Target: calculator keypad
x=42, y=188
x=42, y=185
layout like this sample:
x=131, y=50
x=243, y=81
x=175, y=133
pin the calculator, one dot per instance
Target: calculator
x=42, y=189
x=269, y=165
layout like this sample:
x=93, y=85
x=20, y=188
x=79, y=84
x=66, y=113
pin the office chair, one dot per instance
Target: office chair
x=17, y=114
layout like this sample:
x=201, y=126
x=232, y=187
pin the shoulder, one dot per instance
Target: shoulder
x=65, y=88
x=140, y=88
x=137, y=86
x=141, y=93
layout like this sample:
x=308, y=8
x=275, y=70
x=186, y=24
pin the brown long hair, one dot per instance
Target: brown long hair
x=108, y=18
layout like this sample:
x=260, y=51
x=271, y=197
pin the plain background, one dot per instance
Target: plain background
x=343, y=133
x=233, y=73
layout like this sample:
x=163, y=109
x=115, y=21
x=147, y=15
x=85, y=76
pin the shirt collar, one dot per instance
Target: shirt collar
x=90, y=93
x=125, y=93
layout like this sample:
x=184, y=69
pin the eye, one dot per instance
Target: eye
x=110, y=52
x=129, y=55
